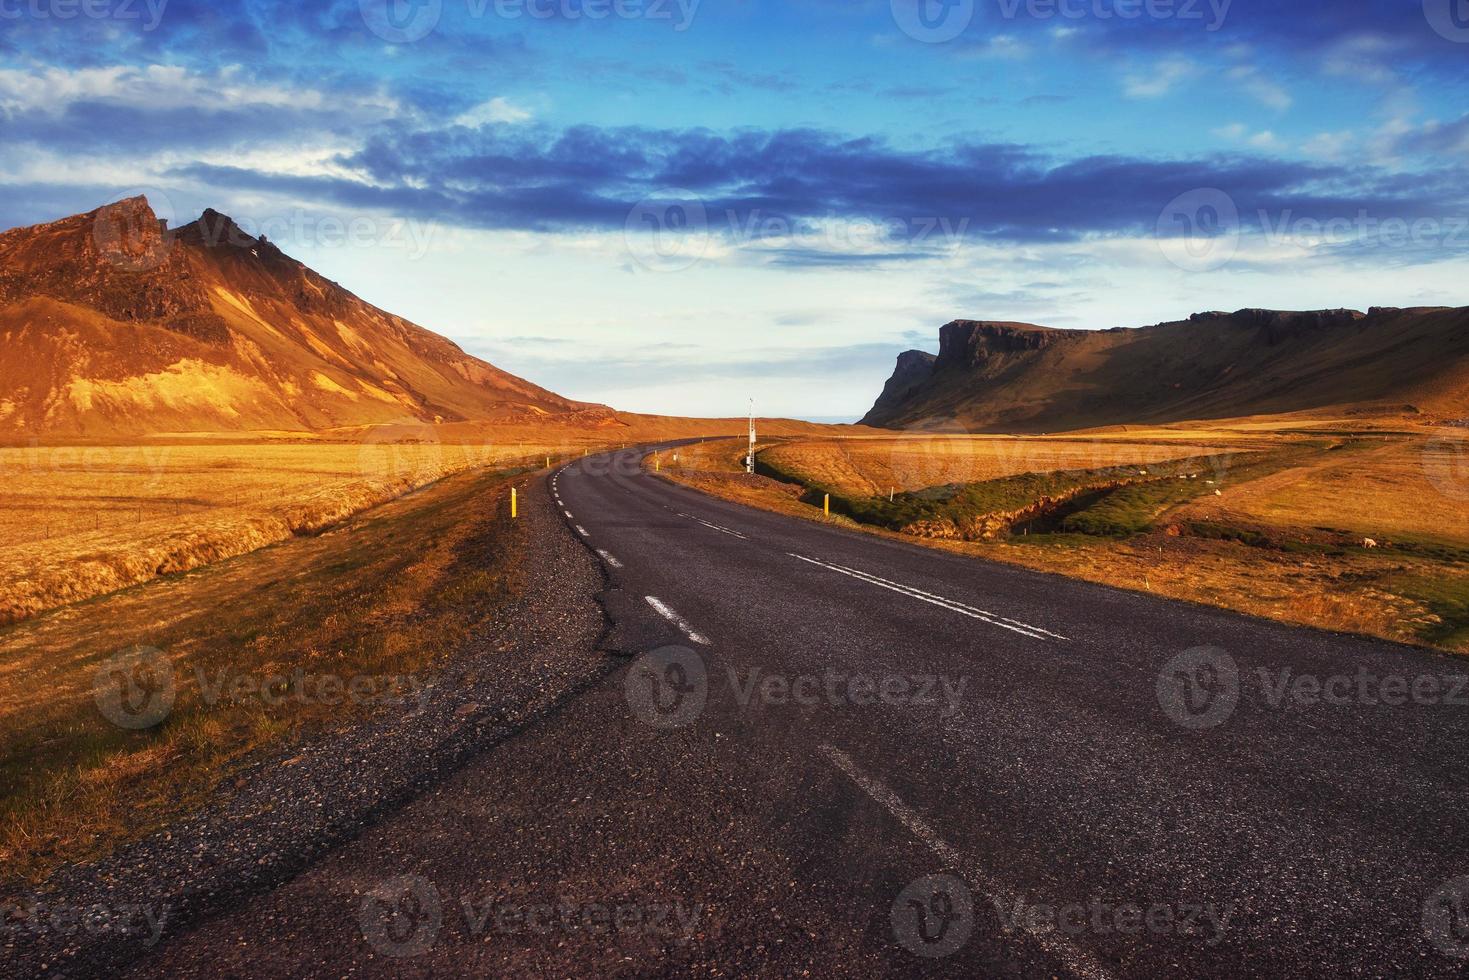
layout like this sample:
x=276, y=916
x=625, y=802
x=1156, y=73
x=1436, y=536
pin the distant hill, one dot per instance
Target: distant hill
x=1020, y=377
x=112, y=324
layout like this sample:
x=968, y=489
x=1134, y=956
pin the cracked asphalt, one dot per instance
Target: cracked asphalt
x=796, y=749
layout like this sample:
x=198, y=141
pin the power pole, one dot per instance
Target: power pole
x=750, y=456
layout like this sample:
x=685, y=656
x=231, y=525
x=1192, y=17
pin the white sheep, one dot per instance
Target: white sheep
x=1368, y=543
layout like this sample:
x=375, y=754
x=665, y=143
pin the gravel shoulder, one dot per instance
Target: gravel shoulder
x=285, y=813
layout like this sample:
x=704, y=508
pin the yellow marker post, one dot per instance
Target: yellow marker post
x=657, y=465
x=513, y=507
x=548, y=462
x=826, y=504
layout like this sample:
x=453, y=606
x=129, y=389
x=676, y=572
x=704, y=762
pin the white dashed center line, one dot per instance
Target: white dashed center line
x=722, y=530
x=1014, y=625
x=676, y=620
x=1077, y=960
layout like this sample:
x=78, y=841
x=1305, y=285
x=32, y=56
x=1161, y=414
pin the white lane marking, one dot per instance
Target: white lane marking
x=1014, y=625
x=722, y=530
x=568, y=514
x=582, y=531
x=676, y=620
x=1077, y=960
x=608, y=558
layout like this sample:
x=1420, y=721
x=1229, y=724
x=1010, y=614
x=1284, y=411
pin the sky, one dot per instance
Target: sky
x=677, y=205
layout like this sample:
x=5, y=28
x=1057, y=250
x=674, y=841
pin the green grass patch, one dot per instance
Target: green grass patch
x=1448, y=599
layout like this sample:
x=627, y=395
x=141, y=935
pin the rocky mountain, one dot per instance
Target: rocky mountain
x=993, y=376
x=113, y=324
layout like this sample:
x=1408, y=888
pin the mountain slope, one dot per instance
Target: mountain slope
x=111, y=324
x=1020, y=377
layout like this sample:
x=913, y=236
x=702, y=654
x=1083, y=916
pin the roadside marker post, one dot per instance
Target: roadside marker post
x=826, y=504
x=513, y=507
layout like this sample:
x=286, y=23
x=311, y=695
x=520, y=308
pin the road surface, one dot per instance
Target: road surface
x=843, y=754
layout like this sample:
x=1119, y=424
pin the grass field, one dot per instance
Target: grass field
x=78, y=522
x=876, y=466
x=1265, y=516
x=381, y=600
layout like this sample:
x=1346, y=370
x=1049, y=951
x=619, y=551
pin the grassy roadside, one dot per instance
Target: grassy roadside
x=256, y=653
x=1149, y=536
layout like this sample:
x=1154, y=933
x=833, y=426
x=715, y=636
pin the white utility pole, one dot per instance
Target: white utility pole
x=750, y=456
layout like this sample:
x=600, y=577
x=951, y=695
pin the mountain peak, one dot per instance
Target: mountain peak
x=116, y=324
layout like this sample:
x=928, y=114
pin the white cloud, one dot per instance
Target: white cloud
x=1327, y=146
x=1268, y=93
x=496, y=110
x=168, y=87
x=1240, y=133
x=1158, y=81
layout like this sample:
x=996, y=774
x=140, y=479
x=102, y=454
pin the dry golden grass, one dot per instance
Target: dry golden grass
x=1406, y=486
x=352, y=603
x=81, y=521
x=873, y=467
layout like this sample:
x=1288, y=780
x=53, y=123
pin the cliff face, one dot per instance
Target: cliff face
x=113, y=324
x=969, y=343
x=914, y=367
x=997, y=376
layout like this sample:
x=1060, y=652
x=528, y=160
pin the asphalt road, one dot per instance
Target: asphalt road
x=840, y=754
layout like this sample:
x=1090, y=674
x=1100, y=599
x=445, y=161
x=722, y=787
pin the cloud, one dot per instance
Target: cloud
x=496, y=110
x=1267, y=92
x=1158, y=81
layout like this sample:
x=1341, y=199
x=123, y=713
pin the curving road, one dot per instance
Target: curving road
x=838, y=754
x=1124, y=785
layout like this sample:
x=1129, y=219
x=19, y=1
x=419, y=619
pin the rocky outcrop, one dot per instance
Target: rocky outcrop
x=969, y=343
x=996, y=376
x=914, y=367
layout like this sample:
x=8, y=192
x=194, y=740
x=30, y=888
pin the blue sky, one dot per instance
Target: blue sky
x=673, y=205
